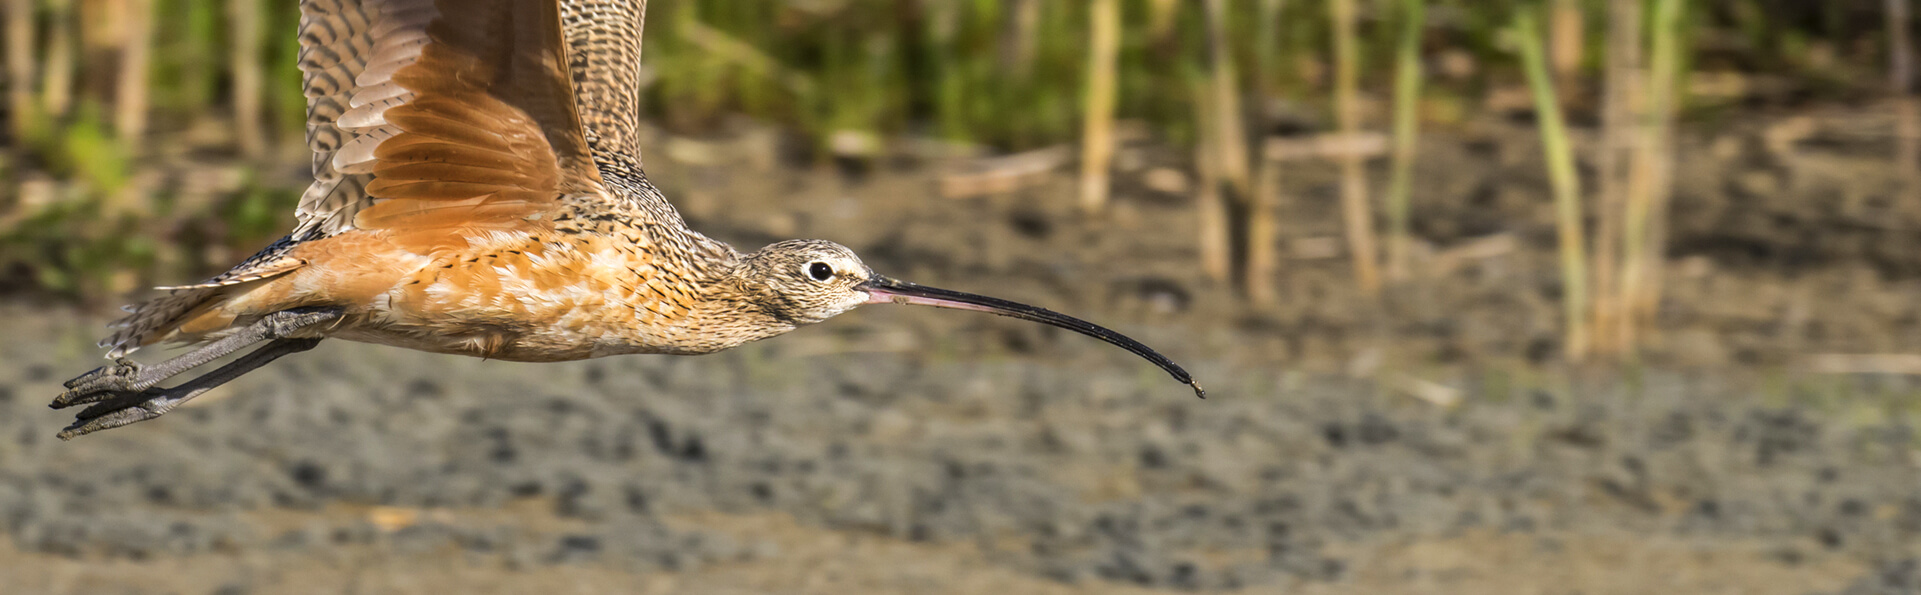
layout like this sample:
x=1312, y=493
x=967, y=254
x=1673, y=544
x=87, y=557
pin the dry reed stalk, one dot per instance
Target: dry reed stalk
x=243, y=17
x=1230, y=132
x=56, y=75
x=1006, y=173
x=20, y=66
x=1216, y=243
x=1901, y=82
x=1333, y=145
x=1567, y=37
x=1649, y=177
x=1262, y=254
x=1407, y=99
x=1355, y=211
x=102, y=27
x=1097, y=127
x=1900, y=48
x=1620, y=88
x=131, y=84
x=1562, y=177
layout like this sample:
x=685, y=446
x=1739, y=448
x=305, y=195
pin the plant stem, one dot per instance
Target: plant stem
x=1664, y=90
x=1561, y=175
x=1229, y=131
x=1355, y=210
x=1619, y=90
x=1566, y=37
x=243, y=20
x=1648, y=178
x=1263, y=256
x=20, y=65
x=1097, y=140
x=136, y=54
x=1901, y=82
x=1407, y=100
x=1216, y=246
x=56, y=76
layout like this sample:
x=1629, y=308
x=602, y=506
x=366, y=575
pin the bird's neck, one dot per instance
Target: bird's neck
x=729, y=314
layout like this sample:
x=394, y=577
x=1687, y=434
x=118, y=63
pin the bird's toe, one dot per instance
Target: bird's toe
x=85, y=396
x=121, y=371
x=101, y=384
x=113, y=413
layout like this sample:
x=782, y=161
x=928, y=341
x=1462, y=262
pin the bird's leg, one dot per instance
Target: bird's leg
x=127, y=377
x=152, y=403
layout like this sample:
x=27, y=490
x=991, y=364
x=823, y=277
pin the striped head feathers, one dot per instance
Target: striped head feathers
x=806, y=281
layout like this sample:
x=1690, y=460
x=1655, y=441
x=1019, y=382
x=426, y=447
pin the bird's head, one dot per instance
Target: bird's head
x=808, y=281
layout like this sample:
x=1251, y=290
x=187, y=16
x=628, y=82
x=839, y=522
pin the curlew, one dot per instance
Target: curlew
x=477, y=191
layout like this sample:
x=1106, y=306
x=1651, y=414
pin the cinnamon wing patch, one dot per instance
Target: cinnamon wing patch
x=460, y=117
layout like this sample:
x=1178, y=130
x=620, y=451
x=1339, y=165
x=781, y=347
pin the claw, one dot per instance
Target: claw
x=119, y=412
x=103, y=383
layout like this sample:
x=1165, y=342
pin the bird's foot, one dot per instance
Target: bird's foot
x=103, y=383
x=121, y=409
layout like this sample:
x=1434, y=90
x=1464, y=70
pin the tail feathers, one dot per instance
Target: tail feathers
x=156, y=319
x=151, y=321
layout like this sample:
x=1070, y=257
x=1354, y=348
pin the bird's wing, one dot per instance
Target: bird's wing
x=437, y=118
x=603, y=48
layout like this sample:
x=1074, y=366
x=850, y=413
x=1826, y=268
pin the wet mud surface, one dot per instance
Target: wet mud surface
x=915, y=450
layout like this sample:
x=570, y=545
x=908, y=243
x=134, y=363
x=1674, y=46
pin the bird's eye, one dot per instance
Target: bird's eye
x=820, y=271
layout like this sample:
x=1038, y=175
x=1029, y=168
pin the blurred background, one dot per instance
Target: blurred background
x=1548, y=296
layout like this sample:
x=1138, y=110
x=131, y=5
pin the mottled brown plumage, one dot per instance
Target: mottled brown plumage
x=477, y=191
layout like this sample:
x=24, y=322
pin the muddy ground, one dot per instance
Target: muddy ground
x=898, y=450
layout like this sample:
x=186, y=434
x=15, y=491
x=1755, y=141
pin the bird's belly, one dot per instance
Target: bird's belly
x=519, y=345
x=513, y=305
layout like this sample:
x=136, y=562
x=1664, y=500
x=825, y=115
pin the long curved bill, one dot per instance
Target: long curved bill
x=882, y=290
